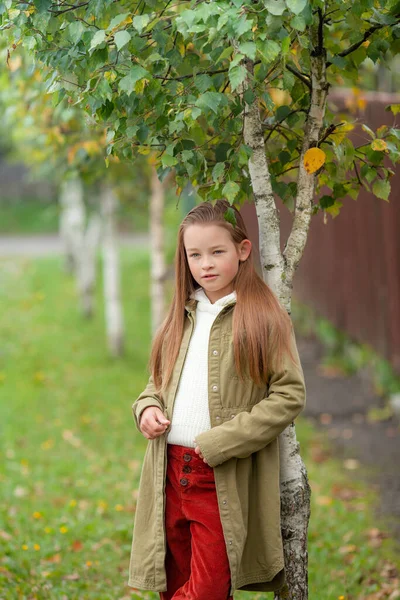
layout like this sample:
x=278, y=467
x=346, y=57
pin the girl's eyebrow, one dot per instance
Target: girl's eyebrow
x=212, y=248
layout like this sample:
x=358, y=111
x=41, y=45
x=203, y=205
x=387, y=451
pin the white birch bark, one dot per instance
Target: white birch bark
x=86, y=264
x=80, y=241
x=72, y=219
x=111, y=274
x=278, y=271
x=157, y=251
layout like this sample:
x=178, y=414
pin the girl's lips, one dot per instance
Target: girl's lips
x=209, y=276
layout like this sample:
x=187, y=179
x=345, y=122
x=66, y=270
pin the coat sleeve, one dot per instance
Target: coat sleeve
x=248, y=432
x=147, y=398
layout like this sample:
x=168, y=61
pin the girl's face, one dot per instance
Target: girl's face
x=214, y=258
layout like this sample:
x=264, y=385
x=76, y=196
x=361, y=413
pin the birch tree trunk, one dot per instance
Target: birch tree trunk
x=278, y=271
x=80, y=241
x=111, y=274
x=86, y=264
x=72, y=219
x=157, y=251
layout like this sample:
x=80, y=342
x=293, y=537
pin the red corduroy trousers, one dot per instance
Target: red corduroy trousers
x=196, y=562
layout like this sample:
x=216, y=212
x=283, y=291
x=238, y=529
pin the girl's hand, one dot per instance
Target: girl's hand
x=198, y=451
x=152, y=422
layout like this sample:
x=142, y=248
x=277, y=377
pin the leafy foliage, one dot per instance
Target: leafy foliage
x=169, y=77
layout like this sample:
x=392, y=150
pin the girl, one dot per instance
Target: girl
x=225, y=381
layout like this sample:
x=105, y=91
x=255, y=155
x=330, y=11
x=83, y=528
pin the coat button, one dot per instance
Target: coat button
x=223, y=501
x=214, y=388
x=233, y=416
x=187, y=457
x=230, y=542
x=184, y=481
x=215, y=352
x=217, y=418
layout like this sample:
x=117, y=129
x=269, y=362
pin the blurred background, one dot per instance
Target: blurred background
x=86, y=272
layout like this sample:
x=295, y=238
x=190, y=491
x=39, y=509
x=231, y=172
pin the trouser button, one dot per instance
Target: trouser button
x=187, y=457
x=184, y=481
x=186, y=469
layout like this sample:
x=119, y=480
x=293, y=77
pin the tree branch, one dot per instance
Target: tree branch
x=304, y=78
x=356, y=45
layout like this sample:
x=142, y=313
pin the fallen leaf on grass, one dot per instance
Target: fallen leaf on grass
x=5, y=536
x=56, y=558
x=323, y=500
x=345, y=493
x=76, y=546
x=351, y=464
x=20, y=492
x=72, y=577
x=375, y=537
x=348, y=549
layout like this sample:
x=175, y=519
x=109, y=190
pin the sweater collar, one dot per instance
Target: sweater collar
x=203, y=303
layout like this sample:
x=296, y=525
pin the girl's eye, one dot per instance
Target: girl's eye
x=218, y=251
x=193, y=255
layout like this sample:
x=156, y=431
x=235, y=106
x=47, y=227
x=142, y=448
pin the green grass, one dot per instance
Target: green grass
x=32, y=217
x=73, y=456
x=29, y=216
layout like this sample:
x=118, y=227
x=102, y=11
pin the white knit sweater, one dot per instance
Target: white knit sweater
x=191, y=414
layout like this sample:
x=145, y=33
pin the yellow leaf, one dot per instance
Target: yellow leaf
x=140, y=85
x=181, y=49
x=314, y=158
x=379, y=146
x=340, y=132
x=144, y=149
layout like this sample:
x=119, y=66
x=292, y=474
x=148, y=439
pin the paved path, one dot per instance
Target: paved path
x=42, y=245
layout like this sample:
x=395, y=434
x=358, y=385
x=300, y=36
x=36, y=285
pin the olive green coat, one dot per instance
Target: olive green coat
x=242, y=446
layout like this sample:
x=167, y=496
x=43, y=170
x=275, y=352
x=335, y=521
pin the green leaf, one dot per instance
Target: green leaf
x=168, y=160
x=248, y=49
x=326, y=201
x=203, y=82
x=236, y=76
x=117, y=20
x=334, y=210
x=381, y=189
x=230, y=190
x=211, y=100
x=127, y=84
x=298, y=22
x=98, y=39
x=140, y=21
x=395, y=108
x=269, y=50
x=218, y=171
x=230, y=216
x=369, y=131
x=275, y=7
x=121, y=38
x=296, y=6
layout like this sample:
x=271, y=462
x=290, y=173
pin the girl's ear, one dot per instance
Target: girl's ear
x=244, y=250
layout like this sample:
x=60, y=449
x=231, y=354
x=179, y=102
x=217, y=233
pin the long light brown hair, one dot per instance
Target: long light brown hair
x=261, y=326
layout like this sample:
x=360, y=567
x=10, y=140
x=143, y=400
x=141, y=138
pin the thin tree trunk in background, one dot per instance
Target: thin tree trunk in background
x=72, y=219
x=157, y=251
x=81, y=241
x=111, y=274
x=86, y=264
